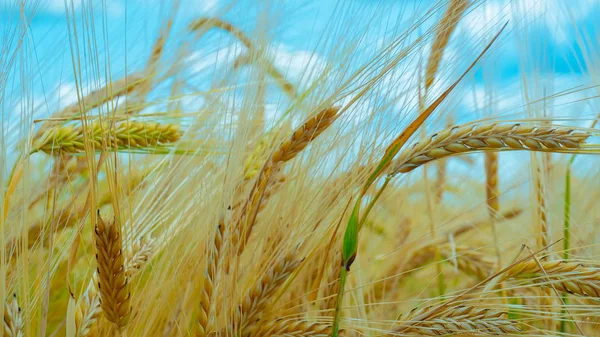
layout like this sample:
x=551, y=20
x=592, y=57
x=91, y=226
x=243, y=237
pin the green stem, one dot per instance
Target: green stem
x=338, y=302
x=372, y=203
x=566, y=235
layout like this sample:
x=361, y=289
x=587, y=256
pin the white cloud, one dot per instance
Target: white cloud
x=298, y=64
x=555, y=15
x=200, y=61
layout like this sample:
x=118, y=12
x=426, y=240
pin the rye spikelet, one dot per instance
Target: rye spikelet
x=257, y=300
x=566, y=276
x=112, y=282
x=87, y=310
x=13, y=319
x=210, y=273
x=489, y=137
x=125, y=136
x=457, y=320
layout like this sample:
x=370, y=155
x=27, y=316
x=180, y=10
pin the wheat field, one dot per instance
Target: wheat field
x=419, y=168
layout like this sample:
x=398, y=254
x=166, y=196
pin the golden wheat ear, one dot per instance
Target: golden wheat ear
x=490, y=137
x=112, y=281
x=454, y=320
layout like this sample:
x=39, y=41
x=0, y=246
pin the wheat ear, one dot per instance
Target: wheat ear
x=448, y=23
x=13, y=319
x=566, y=276
x=112, y=281
x=457, y=320
x=258, y=298
x=210, y=274
x=141, y=253
x=290, y=328
x=207, y=23
x=489, y=137
x=87, y=310
x=125, y=136
x=289, y=149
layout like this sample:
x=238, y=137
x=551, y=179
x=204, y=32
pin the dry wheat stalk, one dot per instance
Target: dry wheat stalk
x=125, y=135
x=87, y=310
x=448, y=23
x=112, y=281
x=208, y=284
x=467, y=260
x=489, y=137
x=419, y=256
x=257, y=299
x=331, y=282
x=456, y=320
x=289, y=328
x=543, y=237
x=289, y=149
x=13, y=319
x=570, y=277
x=95, y=99
x=141, y=253
x=492, y=194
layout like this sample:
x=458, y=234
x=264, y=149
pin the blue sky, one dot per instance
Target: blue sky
x=542, y=37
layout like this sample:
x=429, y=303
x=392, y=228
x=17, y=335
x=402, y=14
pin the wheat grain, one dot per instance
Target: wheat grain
x=257, y=299
x=141, y=253
x=208, y=284
x=112, y=281
x=13, y=319
x=489, y=137
x=87, y=310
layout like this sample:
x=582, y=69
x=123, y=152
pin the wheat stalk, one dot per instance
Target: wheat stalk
x=489, y=137
x=566, y=276
x=125, y=136
x=13, y=319
x=257, y=299
x=467, y=260
x=208, y=284
x=456, y=320
x=112, y=281
x=95, y=99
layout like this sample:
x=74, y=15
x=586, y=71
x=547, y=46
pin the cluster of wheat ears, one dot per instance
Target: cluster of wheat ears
x=225, y=222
